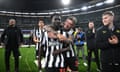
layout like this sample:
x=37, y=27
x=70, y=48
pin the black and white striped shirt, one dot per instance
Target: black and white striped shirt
x=71, y=52
x=53, y=61
x=41, y=34
x=58, y=60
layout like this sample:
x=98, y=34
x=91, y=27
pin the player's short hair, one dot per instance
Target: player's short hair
x=74, y=19
x=55, y=14
x=108, y=13
x=12, y=19
x=41, y=19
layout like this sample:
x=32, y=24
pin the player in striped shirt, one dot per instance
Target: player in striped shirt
x=39, y=37
x=68, y=51
x=54, y=62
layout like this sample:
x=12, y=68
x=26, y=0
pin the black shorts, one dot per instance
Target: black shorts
x=72, y=63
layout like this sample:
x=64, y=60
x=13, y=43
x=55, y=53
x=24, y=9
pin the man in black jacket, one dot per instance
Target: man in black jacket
x=108, y=37
x=91, y=45
x=12, y=37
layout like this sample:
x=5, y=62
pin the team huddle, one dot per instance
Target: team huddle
x=57, y=44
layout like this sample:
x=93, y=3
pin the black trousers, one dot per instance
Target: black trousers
x=16, y=53
x=110, y=67
x=95, y=51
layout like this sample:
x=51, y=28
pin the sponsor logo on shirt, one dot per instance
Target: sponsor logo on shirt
x=118, y=31
x=53, y=43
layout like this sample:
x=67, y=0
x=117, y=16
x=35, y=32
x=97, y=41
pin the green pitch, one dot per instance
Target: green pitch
x=26, y=63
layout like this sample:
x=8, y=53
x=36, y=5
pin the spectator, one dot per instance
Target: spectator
x=79, y=41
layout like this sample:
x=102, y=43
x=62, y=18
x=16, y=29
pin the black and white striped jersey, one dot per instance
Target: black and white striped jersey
x=41, y=34
x=58, y=60
x=53, y=61
x=71, y=52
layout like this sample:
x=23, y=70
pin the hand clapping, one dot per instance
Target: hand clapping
x=113, y=39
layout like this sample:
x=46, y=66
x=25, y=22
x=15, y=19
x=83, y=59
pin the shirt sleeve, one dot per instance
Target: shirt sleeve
x=21, y=36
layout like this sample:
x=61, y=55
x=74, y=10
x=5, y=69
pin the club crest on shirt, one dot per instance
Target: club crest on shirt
x=118, y=31
x=53, y=43
x=104, y=32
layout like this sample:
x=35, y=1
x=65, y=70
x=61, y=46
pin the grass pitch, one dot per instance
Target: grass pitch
x=26, y=63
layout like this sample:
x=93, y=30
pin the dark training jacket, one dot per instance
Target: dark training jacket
x=109, y=53
x=90, y=38
x=12, y=36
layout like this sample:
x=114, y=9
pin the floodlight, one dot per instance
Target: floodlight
x=109, y=1
x=66, y=2
x=99, y=4
x=84, y=8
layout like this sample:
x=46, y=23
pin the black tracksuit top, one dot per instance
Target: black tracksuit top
x=109, y=53
x=12, y=36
